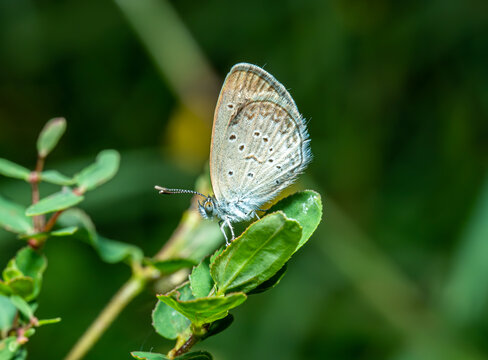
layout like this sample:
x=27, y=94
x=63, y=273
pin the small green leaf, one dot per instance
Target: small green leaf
x=5, y=289
x=11, y=271
x=70, y=230
x=30, y=262
x=55, y=202
x=13, y=170
x=113, y=251
x=144, y=355
x=13, y=218
x=48, y=321
x=170, y=266
x=200, y=280
x=50, y=135
x=7, y=313
x=168, y=322
x=110, y=251
x=304, y=207
x=23, y=274
x=29, y=332
x=271, y=282
x=8, y=348
x=203, y=310
x=196, y=355
x=22, y=306
x=22, y=286
x=101, y=171
x=257, y=254
x=55, y=177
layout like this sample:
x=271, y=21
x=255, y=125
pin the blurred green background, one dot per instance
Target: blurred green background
x=397, y=97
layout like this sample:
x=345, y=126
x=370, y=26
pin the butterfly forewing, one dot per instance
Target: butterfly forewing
x=259, y=140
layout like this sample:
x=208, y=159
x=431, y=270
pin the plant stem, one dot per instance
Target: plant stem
x=192, y=340
x=172, y=248
x=118, y=302
x=52, y=220
x=34, y=180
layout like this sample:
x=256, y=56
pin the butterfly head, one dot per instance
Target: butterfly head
x=207, y=208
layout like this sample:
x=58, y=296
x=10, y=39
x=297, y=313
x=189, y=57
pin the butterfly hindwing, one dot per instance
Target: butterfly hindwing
x=259, y=140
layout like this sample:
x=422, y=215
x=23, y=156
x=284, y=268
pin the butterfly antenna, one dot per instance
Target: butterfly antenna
x=163, y=190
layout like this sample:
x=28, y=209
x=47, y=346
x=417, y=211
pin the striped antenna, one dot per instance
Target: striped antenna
x=163, y=190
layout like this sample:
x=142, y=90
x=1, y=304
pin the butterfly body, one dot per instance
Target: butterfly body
x=260, y=145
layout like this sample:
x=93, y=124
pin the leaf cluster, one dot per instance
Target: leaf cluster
x=21, y=280
x=254, y=262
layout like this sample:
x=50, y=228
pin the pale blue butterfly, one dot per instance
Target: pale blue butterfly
x=260, y=145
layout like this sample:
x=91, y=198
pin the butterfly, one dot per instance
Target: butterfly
x=260, y=144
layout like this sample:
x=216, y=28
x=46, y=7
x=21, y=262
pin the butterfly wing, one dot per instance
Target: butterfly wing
x=260, y=142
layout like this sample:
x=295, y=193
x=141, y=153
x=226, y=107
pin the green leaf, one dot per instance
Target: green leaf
x=5, y=289
x=13, y=218
x=215, y=255
x=168, y=322
x=29, y=332
x=21, y=354
x=110, y=251
x=304, y=207
x=48, y=321
x=55, y=177
x=30, y=262
x=7, y=313
x=70, y=230
x=50, y=135
x=23, y=274
x=200, y=280
x=257, y=254
x=11, y=271
x=271, y=282
x=196, y=355
x=113, y=251
x=170, y=266
x=22, y=286
x=8, y=348
x=22, y=305
x=13, y=170
x=55, y=202
x=101, y=171
x=144, y=355
x=203, y=310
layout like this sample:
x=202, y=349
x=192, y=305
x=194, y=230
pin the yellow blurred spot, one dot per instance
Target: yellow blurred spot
x=188, y=138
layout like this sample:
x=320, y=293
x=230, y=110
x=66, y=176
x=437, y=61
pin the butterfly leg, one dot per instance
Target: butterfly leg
x=222, y=228
x=231, y=229
x=253, y=213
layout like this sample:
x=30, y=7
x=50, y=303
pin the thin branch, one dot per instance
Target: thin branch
x=127, y=292
x=34, y=179
x=119, y=301
x=52, y=220
x=192, y=340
